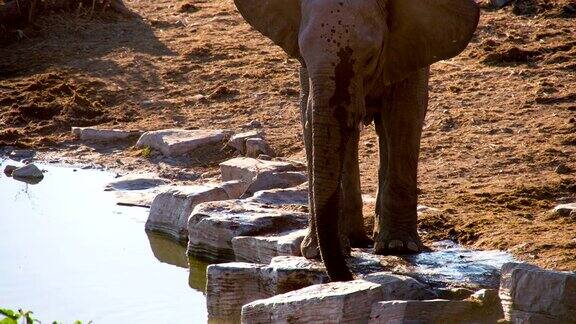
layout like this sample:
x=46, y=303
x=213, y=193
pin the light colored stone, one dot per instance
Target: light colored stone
x=231, y=285
x=288, y=196
x=238, y=141
x=174, y=142
x=135, y=181
x=335, y=302
x=564, y=209
x=257, y=146
x=261, y=249
x=431, y=311
x=533, y=295
x=28, y=171
x=213, y=225
x=170, y=210
x=246, y=169
x=272, y=180
x=138, y=198
x=102, y=135
x=235, y=188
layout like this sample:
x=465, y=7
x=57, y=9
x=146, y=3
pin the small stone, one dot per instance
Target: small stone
x=28, y=171
x=264, y=157
x=136, y=181
x=9, y=169
x=564, y=209
x=257, y=146
x=254, y=124
x=174, y=142
x=563, y=169
x=170, y=210
x=103, y=135
x=238, y=141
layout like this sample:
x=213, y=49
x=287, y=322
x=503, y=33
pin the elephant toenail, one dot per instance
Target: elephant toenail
x=395, y=244
x=413, y=247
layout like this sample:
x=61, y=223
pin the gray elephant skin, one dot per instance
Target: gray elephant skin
x=363, y=61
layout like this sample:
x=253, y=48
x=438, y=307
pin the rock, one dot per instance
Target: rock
x=9, y=169
x=261, y=249
x=564, y=209
x=21, y=154
x=273, y=180
x=238, y=141
x=170, y=210
x=135, y=181
x=138, y=198
x=213, y=225
x=431, y=311
x=533, y=295
x=289, y=196
x=264, y=157
x=235, y=188
x=257, y=146
x=231, y=285
x=563, y=169
x=27, y=172
x=454, y=293
x=246, y=169
x=335, y=302
x=103, y=135
x=499, y=3
x=253, y=124
x=174, y=142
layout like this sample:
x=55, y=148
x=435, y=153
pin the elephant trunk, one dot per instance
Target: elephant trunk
x=329, y=139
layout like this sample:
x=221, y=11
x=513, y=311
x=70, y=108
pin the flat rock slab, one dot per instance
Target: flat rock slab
x=261, y=249
x=287, y=196
x=136, y=181
x=432, y=311
x=138, y=198
x=533, y=295
x=170, y=209
x=246, y=169
x=213, y=225
x=273, y=180
x=335, y=302
x=174, y=142
x=103, y=135
x=231, y=285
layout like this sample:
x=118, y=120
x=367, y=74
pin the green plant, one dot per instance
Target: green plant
x=12, y=317
x=146, y=152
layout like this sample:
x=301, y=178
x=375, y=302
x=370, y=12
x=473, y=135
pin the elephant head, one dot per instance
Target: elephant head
x=351, y=48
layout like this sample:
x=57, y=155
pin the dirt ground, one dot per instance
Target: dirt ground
x=501, y=120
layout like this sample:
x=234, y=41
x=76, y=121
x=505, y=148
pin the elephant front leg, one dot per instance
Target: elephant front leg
x=399, y=131
x=352, y=196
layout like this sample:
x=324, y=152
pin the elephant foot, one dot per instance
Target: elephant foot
x=309, y=246
x=398, y=242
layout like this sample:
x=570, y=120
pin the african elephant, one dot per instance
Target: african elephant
x=363, y=61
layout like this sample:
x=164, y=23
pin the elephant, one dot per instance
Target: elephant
x=363, y=61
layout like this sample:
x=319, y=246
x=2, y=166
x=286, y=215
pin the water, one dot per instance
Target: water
x=68, y=252
x=450, y=263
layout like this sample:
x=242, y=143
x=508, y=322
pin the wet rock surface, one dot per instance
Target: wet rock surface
x=136, y=181
x=28, y=171
x=174, y=142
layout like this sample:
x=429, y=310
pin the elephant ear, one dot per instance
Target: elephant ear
x=426, y=31
x=278, y=20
